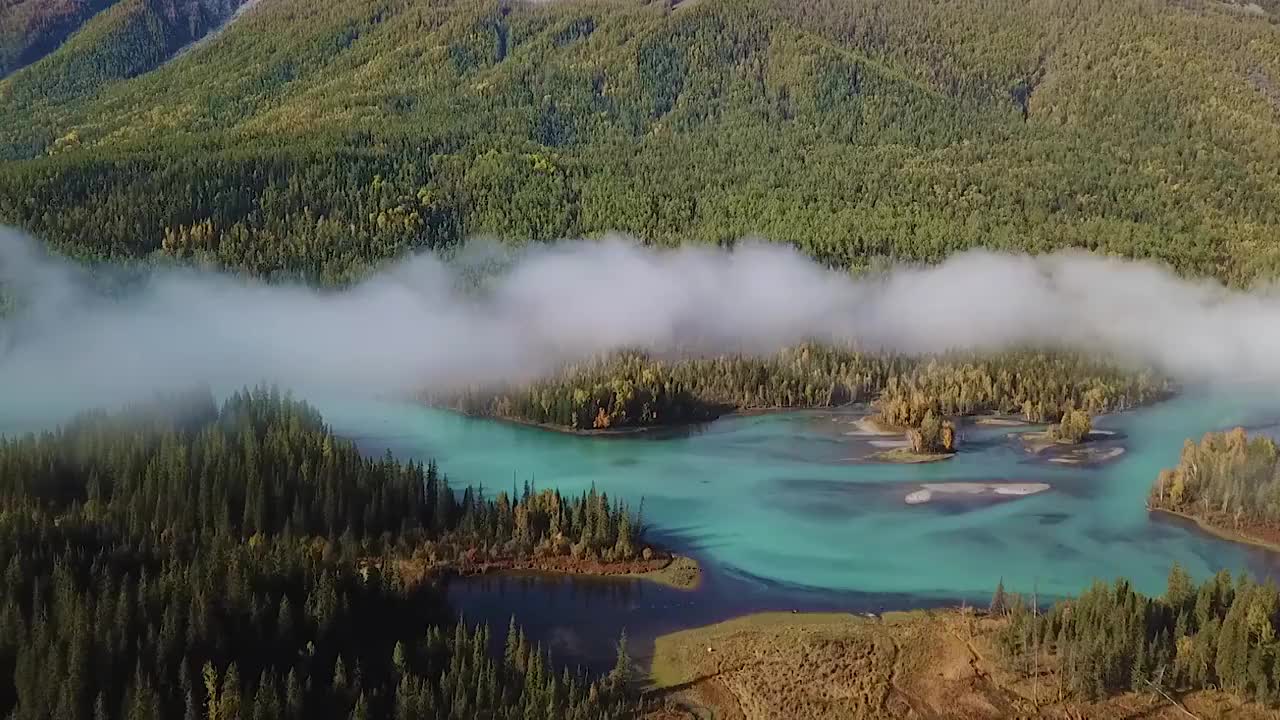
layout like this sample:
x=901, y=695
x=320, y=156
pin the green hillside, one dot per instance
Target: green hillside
x=31, y=29
x=315, y=138
x=128, y=38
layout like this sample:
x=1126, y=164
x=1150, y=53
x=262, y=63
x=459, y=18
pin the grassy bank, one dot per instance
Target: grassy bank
x=919, y=664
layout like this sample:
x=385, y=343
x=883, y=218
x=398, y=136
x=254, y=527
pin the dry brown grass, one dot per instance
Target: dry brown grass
x=783, y=666
x=681, y=573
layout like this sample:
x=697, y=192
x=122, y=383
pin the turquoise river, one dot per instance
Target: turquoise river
x=780, y=516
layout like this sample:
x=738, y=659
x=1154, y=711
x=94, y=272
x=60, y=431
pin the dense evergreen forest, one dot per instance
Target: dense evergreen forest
x=181, y=559
x=31, y=29
x=1221, y=633
x=316, y=138
x=1228, y=480
x=635, y=390
x=128, y=38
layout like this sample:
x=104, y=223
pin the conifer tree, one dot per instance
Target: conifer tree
x=999, y=604
x=621, y=672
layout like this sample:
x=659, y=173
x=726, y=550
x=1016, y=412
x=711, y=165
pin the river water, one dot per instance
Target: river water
x=775, y=497
x=782, y=518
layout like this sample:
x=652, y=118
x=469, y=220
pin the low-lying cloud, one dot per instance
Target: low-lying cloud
x=412, y=326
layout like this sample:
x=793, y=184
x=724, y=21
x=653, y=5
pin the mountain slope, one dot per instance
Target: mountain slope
x=128, y=38
x=318, y=137
x=31, y=29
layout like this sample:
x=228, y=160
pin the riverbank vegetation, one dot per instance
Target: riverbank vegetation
x=1072, y=429
x=1111, y=639
x=917, y=393
x=318, y=139
x=1228, y=482
x=948, y=663
x=185, y=559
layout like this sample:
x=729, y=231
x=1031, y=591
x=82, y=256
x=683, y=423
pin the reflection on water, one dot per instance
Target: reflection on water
x=581, y=618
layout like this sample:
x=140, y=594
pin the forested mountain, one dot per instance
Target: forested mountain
x=131, y=38
x=31, y=29
x=185, y=560
x=315, y=138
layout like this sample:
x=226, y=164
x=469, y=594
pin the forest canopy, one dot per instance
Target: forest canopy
x=1217, y=634
x=632, y=390
x=187, y=559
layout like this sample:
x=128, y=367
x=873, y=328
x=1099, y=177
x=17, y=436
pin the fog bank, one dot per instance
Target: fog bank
x=412, y=326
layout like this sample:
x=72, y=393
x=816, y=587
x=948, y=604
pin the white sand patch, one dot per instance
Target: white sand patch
x=1085, y=456
x=919, y=496
x=928, y=490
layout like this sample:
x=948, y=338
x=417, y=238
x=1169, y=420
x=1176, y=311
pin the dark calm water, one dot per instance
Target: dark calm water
x=581, y=618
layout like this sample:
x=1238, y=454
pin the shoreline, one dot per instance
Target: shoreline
x=678, y=572
x=907, y=456
x=870, y=423
x=630, y=430
x=627, y=431
x=1216, y=531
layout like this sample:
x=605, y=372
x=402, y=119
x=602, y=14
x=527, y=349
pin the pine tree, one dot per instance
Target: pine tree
x=510, y=653
x=339, y=675
x=293, y=696
x=361, y=709
x=264, y=700
x=398, y=661
x=229, y=700
x=1138, y=674
x=100, y=707
x=211, y=685
x=284, y=622
x=1180, y=592
x=621, y=672
x=999, y=603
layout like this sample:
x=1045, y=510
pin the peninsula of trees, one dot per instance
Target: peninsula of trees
x=185, y=560
x=1228, y=482
x=633, y=390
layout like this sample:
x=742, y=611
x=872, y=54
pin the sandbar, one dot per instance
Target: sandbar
x=1082, y=456
x=906, y=455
